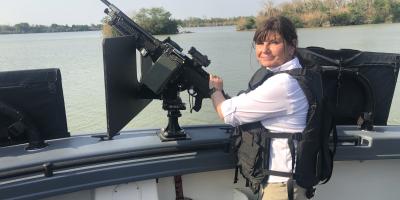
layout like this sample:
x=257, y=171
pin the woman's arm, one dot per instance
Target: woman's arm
x=216, y=95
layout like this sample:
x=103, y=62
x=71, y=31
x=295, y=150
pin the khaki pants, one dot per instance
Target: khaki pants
x=278, y=191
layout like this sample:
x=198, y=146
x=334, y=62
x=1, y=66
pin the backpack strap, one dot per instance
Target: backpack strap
x=294, y=136
x=290, y=183
x=235, y=179
x=333, y=151
x=290, y=138
x=341, y=73
x=257, y=79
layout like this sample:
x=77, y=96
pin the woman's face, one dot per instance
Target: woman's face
x=274, y=51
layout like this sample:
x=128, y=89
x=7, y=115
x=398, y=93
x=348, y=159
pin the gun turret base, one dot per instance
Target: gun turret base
x=36, y=146
x=165, y=136
x=173, y=131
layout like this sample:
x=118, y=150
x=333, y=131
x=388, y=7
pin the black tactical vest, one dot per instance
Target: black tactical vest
x=311, y=159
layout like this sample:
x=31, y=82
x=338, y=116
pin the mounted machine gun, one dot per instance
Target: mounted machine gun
x=171, y=72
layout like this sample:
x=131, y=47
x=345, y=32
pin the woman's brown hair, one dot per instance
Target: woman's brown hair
x=281, y=25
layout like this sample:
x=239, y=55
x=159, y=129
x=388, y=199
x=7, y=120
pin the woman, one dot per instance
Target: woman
x=279, y=102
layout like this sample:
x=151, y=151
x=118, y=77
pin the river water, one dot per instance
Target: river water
x=79, y=56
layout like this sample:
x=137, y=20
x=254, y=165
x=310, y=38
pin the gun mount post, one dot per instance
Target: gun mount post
x=173, y=104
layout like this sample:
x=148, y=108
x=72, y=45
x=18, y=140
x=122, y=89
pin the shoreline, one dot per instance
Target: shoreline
x=188, y=32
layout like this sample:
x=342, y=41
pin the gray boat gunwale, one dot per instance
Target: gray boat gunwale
x=206, y=151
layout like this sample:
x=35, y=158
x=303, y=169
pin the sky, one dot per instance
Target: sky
x=47, y=12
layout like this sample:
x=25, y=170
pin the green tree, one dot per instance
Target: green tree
x=381, y=11
x=315, y=5
x=340, y=18
x=156, y=21
x=246, y=23
x=293, y=11
x=5, y=29
x=22, y=28
x=199, y=22
x=268, y=11
x=395, y=11
x=193, y=22
x=361, y=12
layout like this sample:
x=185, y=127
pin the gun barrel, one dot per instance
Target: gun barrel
x=106, y=2
x=125, y=25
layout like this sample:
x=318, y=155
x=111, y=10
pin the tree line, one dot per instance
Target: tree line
x=215, y=21
x=318, y=13
x=303, y=13
x=27, y=28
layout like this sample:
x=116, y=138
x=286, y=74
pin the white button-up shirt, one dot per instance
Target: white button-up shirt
x=281, y=106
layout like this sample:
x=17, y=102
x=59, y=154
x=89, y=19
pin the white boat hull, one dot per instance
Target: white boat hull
x=366, y=180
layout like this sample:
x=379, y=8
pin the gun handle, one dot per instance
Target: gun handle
x=197, y=103
x=198, y=78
